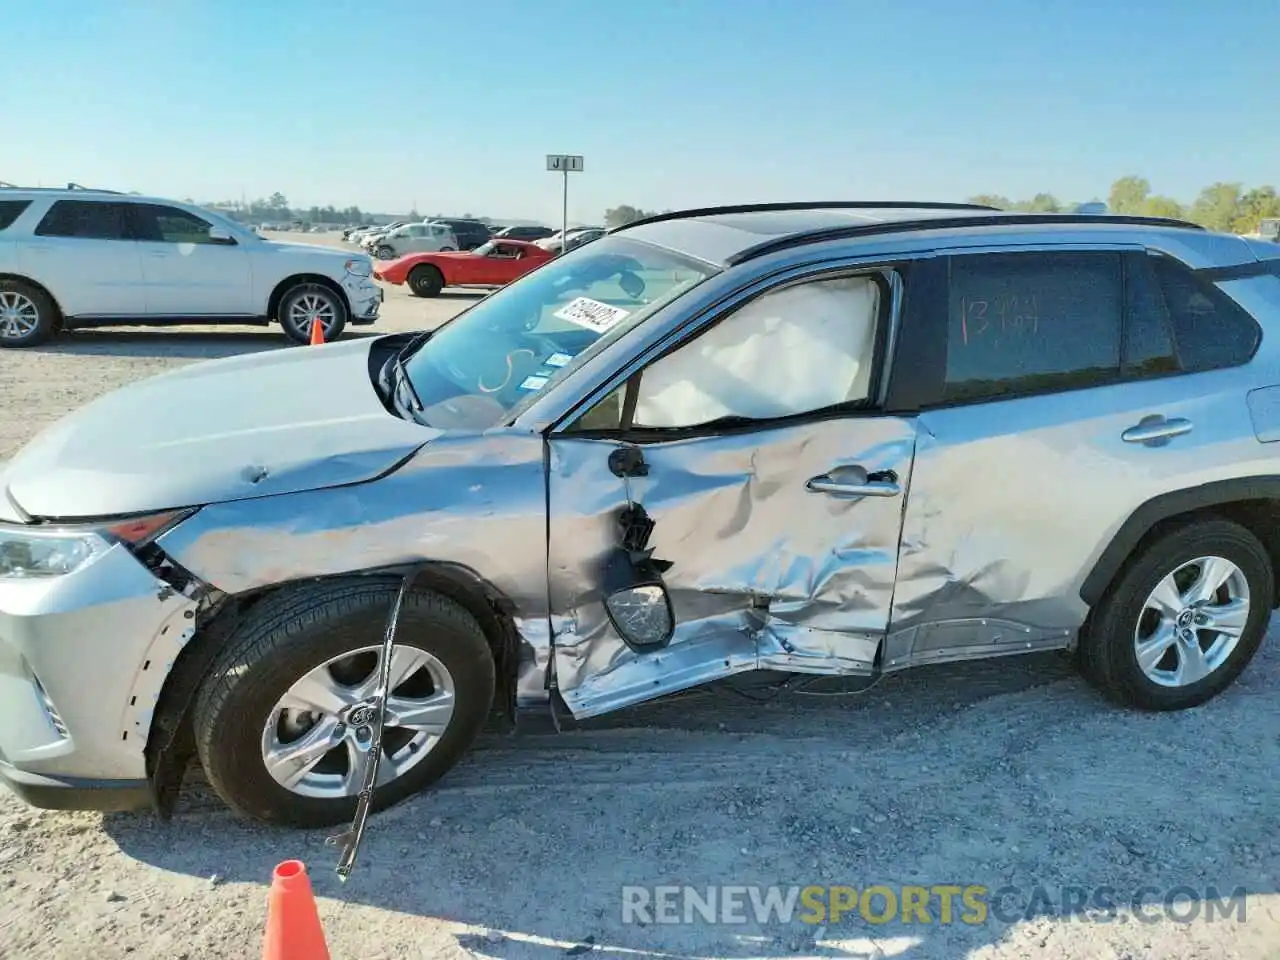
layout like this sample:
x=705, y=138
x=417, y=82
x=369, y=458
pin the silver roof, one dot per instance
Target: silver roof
x=719, y=237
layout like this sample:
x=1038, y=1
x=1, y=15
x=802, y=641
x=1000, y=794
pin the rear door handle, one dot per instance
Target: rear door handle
x=855, y=482
x=1156, y=431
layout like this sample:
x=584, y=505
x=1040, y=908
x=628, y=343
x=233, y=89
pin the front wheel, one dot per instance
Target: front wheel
x=1183, y=620
x=385, y=253
x=282, y=720
x=304, y=305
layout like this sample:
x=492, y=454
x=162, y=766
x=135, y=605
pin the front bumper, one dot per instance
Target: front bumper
x=82, y=660
x=68, y=793
x=366, y=299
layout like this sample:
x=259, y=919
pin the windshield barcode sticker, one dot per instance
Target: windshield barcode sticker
x=534, y=383
x=591, y=314
x=557, y=360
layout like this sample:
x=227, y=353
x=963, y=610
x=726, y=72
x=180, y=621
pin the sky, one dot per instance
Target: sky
x=451, y=106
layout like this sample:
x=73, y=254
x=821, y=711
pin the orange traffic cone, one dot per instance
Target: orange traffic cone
x=317, y=332
x=293, y=922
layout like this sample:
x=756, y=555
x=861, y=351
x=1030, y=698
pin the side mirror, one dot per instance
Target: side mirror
x=220, y=235
x=637, y=602
x=635, y=596
x=631, y=283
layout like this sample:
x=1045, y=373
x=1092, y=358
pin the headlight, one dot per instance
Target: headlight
x=33, y=552
x=359, y=267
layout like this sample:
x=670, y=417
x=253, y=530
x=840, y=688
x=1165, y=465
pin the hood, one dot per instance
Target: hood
x=280, y=421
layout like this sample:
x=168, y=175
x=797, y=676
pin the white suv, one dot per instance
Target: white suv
x=80, y=258
x=412, y=238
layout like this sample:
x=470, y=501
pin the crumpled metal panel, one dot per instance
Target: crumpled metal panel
x=766, y=573
x=475, y=500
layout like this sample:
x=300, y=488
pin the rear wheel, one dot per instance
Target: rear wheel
x=385, y=253
x=282, y=720
x=27, y=314
x=1183, y=620
x=303, y=305
x=426, y=281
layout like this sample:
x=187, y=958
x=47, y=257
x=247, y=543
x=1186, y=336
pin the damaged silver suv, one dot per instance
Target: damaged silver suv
x=833, y=439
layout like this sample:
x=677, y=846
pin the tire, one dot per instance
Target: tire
x=294, y=313
x=28, y=315
x=446, y=250
x=291, y=634
x=1109, y=642
x=426, y=281
x=385, y=253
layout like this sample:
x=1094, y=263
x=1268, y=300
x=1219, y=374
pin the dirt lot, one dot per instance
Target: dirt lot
x=1008, y=773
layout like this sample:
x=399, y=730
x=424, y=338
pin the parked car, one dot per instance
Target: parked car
x=768, y=437
x=359, y=236
x=583, y=236
x=556, y=242
x=493, y=264
x=527, y=233
x=414, y=238
x=79, y=258
x=470, y=233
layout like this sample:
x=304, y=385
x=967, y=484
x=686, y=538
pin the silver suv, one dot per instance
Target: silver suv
x=831, y=440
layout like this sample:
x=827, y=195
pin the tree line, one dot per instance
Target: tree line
x=1228, y=207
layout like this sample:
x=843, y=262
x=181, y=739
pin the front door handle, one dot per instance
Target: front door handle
x=855, y=482
x=1155, y=431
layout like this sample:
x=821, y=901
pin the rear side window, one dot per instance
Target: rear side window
x=1210, y=330
x=1025, y=323
x=86, y=220
x=11, y=210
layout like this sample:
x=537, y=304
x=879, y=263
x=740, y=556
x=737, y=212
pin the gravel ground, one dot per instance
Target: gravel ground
x=1006, y=773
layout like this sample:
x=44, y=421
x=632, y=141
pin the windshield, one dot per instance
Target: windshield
x=484, y=249
x=526, y=337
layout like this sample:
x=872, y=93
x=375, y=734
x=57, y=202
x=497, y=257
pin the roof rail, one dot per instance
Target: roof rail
x=79, y=186
x=6, y=185
x=802, y=205
x=942, y=223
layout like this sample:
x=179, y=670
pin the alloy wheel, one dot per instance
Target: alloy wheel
x=1192, y=621
x=19, y=315
x=318, y=735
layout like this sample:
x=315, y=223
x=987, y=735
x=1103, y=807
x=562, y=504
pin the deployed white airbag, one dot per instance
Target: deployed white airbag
x=792, y=351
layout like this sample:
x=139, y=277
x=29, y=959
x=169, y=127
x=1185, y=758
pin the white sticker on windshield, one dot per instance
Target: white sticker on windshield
x=534, y=383
x=557, y=360
x=591, y=314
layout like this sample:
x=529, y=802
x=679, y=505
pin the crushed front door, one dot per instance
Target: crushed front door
x=783, y=546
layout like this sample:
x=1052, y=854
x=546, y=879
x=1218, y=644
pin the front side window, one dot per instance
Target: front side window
x=1026, y=323
x=85, y=220
x=791, y=351
x=523, y=339
x=170, y=225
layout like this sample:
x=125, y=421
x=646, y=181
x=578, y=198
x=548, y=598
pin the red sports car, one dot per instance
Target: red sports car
x=493, y=264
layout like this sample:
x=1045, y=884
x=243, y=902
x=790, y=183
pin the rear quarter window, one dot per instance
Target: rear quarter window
x=11, y=210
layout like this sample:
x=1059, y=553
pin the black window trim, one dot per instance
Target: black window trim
x=1208, y=279
x=19, y=207
x=917, y=379
x=871, y=406
x=129, y=232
